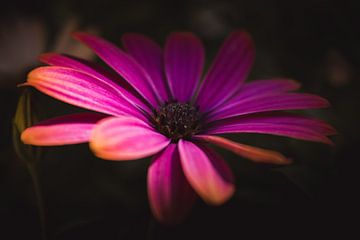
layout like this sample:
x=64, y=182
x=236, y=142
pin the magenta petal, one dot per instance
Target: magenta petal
x=253, y=153
x=170, y=195
x=68, y=129
x=228, y=71
x=264, y=87
x=125, y=138
x=90, y=68
x=149, y=54
x=260, y=88
x=279, y=118
x=122, y=63
x=184, y=60
x=79, y=89
x=272, y=102
x=95, y=70
x=206, y=172
x=282, y=124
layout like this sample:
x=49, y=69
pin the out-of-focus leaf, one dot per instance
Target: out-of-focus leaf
x=76, y=224
x=21, y=41
x=25, y=116
x=65, y=44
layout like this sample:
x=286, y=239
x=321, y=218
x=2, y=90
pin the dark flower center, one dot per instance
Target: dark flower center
x=177, y=120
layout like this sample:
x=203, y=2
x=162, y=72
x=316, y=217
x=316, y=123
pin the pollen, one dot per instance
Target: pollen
x=177, y=120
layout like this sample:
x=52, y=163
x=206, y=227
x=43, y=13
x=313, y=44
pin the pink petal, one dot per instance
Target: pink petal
x=125, y=138
x=253, y=153
x=265, y=87
x=260, y=88
x=149, y=54
x=122, y=63
x=86, y=66
x=206, y=172
x=228, y=71
x=184, y=60
x=170, y=195
x=79, y=89
x=272, y=102
x=283, y=124
x=68, y=129
x=119, y=84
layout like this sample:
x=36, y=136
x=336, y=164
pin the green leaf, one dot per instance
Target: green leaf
x=25, y=116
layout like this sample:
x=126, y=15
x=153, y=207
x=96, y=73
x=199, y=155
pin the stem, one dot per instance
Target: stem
x=39, y=199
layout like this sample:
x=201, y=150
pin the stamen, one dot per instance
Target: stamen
x=177, y=120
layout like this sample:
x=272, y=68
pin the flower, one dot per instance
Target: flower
x=159, y=106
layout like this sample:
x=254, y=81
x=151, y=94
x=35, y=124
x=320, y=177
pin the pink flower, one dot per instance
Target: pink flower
x=159, y=106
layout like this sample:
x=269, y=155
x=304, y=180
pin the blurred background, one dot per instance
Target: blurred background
x=315, y=42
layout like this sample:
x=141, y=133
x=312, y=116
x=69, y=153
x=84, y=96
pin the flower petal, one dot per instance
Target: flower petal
x=125, y=138
x=253, y=153
x=271, y=102
x=150, y=56
x=171, y=197
x=124, y=89
x=281, y=124
x=206, y=172
x=122, y=63
x=265, y=87
x=260, y=88
x=79, y=89
x=184, y=60
x=228, y=71
x=68, y=129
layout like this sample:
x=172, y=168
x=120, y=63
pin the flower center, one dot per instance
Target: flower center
x=177, y=120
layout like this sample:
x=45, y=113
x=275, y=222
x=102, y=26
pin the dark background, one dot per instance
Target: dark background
x=316, y=42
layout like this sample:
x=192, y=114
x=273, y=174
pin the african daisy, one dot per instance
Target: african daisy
x=157, y=103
